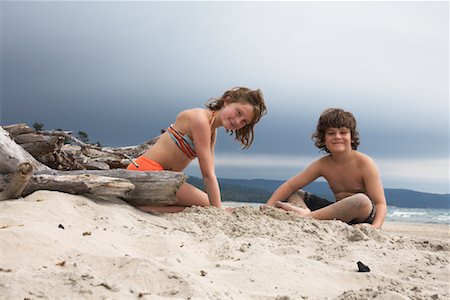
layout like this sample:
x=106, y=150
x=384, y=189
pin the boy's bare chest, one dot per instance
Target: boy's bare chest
x=344, y=179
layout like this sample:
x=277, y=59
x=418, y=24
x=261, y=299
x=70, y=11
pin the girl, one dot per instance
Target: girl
x=194, y=135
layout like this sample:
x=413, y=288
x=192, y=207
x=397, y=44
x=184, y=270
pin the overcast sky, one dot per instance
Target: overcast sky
x=121, y=71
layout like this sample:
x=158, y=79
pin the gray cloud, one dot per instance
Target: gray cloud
x=127, y=68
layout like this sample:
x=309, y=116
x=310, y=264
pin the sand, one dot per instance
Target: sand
x=60, y=246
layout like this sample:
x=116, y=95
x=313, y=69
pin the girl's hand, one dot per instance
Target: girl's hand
x=229, y=209
x=265, y=207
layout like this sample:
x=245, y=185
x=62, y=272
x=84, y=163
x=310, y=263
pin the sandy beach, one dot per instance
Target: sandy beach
x=61, y=246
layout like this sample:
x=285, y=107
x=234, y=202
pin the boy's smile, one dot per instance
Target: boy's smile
x=338, y=139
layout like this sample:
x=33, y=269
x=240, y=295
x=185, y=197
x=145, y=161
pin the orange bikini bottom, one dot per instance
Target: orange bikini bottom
x=145, y=164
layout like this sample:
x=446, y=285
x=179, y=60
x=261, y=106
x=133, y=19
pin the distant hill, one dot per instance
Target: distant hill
x=236, y=192
x=259, y=191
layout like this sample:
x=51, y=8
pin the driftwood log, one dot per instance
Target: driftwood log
x=18, y=182
x=136, y=188
x=12, y=155
x=59, y=150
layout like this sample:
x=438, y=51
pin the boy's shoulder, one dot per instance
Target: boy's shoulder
x=361, y=155
x=322, y=161
x=364, y=159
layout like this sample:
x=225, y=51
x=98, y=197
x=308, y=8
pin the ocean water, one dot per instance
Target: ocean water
x=418, y=215
x=395, y=214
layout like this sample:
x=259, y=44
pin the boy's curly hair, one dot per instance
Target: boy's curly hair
x=336, y=118
x=245, y=135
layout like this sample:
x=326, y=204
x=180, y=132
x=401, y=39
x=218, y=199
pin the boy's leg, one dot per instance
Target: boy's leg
x=295, y=202
x=356, y=208
x=298, y=199
x=187, y=195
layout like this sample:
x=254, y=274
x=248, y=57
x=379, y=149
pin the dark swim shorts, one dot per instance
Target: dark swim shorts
x=315, y=202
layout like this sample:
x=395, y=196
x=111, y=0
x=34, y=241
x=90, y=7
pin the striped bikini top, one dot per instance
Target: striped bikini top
x=185, y=142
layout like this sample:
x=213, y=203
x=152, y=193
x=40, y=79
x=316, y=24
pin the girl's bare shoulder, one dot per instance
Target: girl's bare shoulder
x=193, y=119
x=194, y=114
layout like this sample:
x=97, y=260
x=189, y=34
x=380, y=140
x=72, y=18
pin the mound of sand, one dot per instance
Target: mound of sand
x=56, y=245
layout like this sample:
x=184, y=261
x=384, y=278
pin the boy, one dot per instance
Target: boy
x=352, y=176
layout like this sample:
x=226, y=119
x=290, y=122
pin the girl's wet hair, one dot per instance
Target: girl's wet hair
x=245, y=135
x=336, y=118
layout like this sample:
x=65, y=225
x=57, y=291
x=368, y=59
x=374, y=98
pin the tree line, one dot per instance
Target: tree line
x=81, y=135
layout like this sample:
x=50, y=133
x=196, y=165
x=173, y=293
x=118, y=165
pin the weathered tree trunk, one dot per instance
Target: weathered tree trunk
x=150, y=188
x=12, y=155
x=136, y=188
x=48, y=148
x=18, y=182
x=17, y=129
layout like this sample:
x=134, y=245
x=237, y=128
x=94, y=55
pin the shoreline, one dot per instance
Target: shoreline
x=422, y=230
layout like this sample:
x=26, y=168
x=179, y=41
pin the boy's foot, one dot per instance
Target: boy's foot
x=289, y=207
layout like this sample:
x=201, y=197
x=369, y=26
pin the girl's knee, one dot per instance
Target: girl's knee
x=189, y=195
x=204, y=203
x=190, y=200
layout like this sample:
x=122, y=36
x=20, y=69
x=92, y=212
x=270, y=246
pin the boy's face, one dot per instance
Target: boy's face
x=338, y=139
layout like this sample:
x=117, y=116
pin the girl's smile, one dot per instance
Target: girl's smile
x=236, y=115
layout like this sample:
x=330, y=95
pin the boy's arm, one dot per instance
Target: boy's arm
x=375, y=191
x=303, y=178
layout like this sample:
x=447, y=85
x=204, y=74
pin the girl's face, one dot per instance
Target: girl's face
x=236, y=115
x=338, y=139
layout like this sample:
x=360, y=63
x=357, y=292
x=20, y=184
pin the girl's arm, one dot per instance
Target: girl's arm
x=201, y=133
x=375, y=191
x=295, y=183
